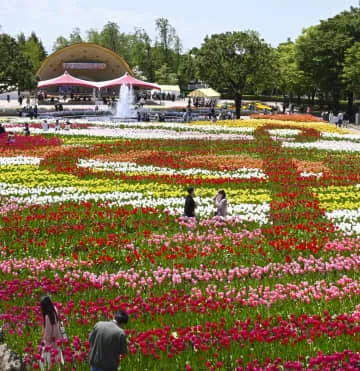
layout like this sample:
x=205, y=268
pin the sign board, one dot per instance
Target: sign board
x=83, y=66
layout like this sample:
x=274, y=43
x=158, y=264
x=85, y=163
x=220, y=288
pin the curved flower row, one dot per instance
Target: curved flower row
x=68, y=273
x=128, y=167
x=328, y=145
x=20, y=160
x=226, y=335
x=141, y=133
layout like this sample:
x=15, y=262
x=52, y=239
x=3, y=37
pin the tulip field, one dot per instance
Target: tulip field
x=92, y=216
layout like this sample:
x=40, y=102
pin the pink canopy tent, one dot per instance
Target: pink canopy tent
x=66, y=80
x=127, y=80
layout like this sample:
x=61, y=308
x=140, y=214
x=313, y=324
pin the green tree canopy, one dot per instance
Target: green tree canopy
x=110, y=37
x=164, y=76
x=34, y=49
x=351, y=71
x=167, y=38
x=60, y=43
x=119, y=42
x=16, y=69
x=93, y=36
x=188, y=71
x=320, y=51
x=75, y=36
x=291, y=79
x=142, y=54
x=237, y=61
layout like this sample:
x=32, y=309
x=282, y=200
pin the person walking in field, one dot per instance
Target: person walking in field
x=51, y=334
x=190, y=205
x=26, y=129
x=340, y=119
x=107, y=343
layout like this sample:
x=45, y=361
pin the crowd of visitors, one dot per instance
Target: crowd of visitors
x=29, y=111
x=161, y=96
x=340, y=119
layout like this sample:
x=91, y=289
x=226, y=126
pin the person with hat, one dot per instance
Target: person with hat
x=107, y=343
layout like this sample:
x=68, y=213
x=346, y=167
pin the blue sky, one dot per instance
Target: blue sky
x=275, y=20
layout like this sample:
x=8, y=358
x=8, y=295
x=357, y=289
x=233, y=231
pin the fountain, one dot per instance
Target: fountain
x=125, y=106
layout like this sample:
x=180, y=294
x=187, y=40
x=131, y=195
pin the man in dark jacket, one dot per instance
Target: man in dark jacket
x=189, y=209
x=107, y=342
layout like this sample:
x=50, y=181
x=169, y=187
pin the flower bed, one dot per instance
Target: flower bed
x=98, y=225
x=24, y=143
x=297, y=118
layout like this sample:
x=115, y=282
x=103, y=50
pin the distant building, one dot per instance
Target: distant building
x=86, y=61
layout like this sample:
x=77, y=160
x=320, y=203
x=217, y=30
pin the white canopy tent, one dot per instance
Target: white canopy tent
x=170, y=89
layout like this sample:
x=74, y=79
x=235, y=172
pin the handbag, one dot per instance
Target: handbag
x=62, y=330
x=61, y=326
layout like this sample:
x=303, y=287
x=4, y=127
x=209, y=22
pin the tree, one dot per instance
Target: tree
x=75, y=36
x=93, y=36
x=188, y=71
x=110, y=37
x=291, y=79
x=21, y=39
x=120, y=43
x=167, y=35
x=236, y=61
x=142, y=54
x=60, y=43
x=34, y=49
x=16, y=69
x=177, y=52
x=168, y=47
x=321, y=51
x=351, y=71
x=164, y=76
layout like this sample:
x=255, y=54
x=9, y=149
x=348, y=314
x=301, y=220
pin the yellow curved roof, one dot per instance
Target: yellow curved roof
x=84, y=52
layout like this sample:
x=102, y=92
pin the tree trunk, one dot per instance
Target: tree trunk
x=350, y=104
x=321, y=100
x=313, y=96
x=336, y=100
x=285, y=104
x=238, y=99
